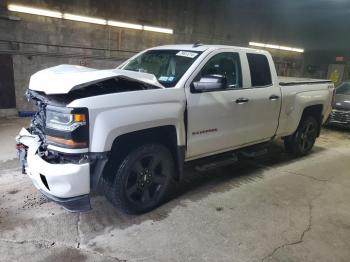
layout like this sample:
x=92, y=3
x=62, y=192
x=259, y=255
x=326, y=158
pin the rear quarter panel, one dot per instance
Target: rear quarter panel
x=296, y=98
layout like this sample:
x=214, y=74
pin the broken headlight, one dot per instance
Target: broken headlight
x=67, y=127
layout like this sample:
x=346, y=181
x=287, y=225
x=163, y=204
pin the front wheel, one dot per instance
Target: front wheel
x=142, y=180
x=303, y=139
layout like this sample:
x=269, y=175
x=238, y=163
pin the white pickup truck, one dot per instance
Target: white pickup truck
x=131, y=130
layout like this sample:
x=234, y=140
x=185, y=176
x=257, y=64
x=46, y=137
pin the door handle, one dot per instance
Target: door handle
x=274, y=97
x=242, y=100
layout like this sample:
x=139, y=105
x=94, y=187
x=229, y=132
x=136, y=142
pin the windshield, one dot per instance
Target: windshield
x=343, y=89
x=168, y=66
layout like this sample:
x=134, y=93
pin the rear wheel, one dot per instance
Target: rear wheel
x=302, y=141
x=142, y=180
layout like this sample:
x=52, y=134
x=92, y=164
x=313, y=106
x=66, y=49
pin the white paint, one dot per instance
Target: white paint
x=63, y=78
x=64, y=180
x=116, y=114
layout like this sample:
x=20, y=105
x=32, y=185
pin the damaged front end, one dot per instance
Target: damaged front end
x=63, y=132
x=54, y=149
x=33, y=133
x=52, y=131
x=62, y=175
x=37, y=125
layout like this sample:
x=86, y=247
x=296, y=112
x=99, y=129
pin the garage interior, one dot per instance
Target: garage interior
x=274, y=207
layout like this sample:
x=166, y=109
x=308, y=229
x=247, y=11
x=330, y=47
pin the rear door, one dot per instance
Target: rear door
x=264, y=98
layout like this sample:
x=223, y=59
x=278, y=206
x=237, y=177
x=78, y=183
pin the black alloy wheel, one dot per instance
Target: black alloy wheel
x=303, y=140
x=142, y=180
x=146, y=179
x=307, y=136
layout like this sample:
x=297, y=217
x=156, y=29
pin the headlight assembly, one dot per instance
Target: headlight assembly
x=67, y=127
x=64, y=121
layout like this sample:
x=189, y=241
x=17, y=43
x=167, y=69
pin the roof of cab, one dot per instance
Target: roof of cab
x=202, y=48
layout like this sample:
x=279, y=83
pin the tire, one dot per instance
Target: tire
x=303, y=139
x=142, y=180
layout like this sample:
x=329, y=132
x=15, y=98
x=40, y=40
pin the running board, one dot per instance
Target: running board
x=228, y=158
x=214, y=162
x=253, y=153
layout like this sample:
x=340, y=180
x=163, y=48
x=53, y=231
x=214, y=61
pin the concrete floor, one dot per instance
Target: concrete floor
x=275, y=208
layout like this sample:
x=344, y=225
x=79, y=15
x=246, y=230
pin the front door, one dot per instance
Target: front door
x=215, y=120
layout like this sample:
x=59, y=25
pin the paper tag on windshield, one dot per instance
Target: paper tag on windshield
x=163, y=78
x=187, y=54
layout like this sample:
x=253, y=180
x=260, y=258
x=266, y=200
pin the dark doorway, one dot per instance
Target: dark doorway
x=7, y=87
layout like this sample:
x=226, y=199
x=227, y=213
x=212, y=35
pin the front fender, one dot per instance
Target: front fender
x=116, y=114
x=116, y=122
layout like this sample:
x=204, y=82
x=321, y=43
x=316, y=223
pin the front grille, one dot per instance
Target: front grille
x=340, y=116
x=37, y=126
x=38, y=121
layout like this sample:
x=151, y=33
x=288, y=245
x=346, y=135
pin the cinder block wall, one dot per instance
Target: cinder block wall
x=38, y=42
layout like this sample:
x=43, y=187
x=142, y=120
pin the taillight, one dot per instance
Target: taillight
x=333, y=94
x=333, y=97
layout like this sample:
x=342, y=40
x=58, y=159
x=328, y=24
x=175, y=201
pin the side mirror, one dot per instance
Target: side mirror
x=210, y=83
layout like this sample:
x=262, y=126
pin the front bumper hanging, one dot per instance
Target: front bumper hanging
x=67, y=184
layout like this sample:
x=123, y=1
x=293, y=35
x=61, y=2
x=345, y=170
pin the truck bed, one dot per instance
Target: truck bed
x=289, y=81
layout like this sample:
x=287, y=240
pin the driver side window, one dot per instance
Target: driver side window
x=226, y=65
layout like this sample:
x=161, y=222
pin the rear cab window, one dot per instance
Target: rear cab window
x=260, y=72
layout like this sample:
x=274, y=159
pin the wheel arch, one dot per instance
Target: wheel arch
x=165, y=135
x=315, y=111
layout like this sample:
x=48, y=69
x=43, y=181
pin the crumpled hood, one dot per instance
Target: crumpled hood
x=64, y=78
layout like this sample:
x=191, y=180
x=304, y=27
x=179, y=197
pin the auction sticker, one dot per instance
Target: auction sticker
x=163, y=78
x=187, y=54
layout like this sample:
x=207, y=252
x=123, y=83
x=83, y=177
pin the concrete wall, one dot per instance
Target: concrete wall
x=39, y=42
